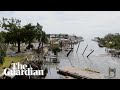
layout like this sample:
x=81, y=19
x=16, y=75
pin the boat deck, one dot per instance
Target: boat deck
x=79, y=73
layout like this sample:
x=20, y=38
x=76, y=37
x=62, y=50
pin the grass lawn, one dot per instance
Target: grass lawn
x=8, y=60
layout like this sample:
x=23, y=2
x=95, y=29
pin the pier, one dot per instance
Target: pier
x=80, y=73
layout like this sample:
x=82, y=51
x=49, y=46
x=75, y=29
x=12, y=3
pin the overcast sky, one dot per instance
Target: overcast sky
x=83, y=23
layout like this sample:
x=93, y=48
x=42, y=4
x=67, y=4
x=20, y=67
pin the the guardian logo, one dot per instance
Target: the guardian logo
x=21, y=69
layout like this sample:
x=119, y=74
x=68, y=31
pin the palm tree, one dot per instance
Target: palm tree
x=38, y=34
x=41, y=36
x=44, y=39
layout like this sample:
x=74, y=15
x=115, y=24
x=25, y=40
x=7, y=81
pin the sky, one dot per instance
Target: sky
x=82, y=23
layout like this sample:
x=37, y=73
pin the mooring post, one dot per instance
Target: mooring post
x=90, y=53
x=85, y=49
x=69, y=52
x=78, y=47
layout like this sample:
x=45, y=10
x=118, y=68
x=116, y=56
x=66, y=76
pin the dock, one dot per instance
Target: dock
x=80, y=73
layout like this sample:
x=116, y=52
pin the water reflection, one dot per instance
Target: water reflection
x=99, y=60
x=78, y=58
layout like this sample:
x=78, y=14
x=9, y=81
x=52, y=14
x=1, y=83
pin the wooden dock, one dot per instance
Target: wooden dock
x=79, y=73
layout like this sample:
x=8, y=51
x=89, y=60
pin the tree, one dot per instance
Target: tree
x=29, y=33
x=18, y=34
x=41, y=36
x=14, y=30
x=55, y=50
x=111, y=41
x=3, y=46
x=44, y=38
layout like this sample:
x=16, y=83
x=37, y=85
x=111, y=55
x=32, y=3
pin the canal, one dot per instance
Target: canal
x=99, y=60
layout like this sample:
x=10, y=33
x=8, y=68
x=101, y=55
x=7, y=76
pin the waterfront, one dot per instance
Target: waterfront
x=53, y=30
x=99, y=60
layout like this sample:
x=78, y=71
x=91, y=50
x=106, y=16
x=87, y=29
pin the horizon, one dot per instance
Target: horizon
x=81, y=23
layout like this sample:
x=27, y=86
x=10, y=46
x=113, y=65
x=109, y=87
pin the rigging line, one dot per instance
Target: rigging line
x=85, y=49
x=89, y=60
x=69, y=52
x=92, y=63
x=69, y=58
x=90, y=53
x=88, y=56
x=84, y=59
x=70, y=62
x=78, y=47
x=78, y=58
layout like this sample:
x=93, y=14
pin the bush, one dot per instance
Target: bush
x=12, y=48
x=29, y=46
x=55, y=50
x=2, y=55
x=113, y=38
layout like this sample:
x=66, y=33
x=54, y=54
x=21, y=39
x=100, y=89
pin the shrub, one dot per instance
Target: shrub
x=55, y=50
x=2, y=55
x=29, y=46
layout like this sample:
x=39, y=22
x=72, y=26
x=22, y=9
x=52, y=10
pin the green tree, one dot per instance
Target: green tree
x=3, y=46
x=41, y=36
x=14, y=30
x=17, y=34
x=2, y=36
x=29, y=33
x=55, y=50
x=111, y=41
